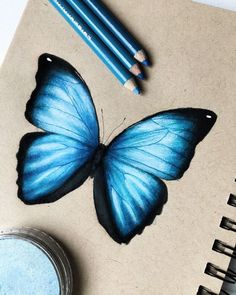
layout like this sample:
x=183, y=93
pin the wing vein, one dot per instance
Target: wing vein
x=63, y=128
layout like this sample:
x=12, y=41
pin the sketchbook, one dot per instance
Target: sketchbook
x=192, y=47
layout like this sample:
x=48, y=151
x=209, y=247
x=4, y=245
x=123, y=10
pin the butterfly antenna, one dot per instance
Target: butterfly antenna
x=103, y=126
x=115, y=130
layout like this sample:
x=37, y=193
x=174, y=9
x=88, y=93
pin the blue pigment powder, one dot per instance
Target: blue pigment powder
x=25, y=269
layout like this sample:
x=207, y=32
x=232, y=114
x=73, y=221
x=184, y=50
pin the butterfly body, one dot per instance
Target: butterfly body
x=128, y=173
x=97, y=159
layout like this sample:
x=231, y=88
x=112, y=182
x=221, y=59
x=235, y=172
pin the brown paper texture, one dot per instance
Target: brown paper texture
x=193, y=49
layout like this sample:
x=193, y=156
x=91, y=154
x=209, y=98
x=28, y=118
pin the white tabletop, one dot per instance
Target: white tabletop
x=225, y=4
x=10, y=14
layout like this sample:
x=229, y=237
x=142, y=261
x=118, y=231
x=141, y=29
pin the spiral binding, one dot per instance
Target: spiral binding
x=232, y=200
x=225, y=249
x=228, y=276
x=228, y=224
x=204, y=291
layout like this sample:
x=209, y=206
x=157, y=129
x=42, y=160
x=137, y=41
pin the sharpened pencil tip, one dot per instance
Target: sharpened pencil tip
x=141, y=76
x=132, y=86
x=146, y=63
x=142, y=58
x=136, y=90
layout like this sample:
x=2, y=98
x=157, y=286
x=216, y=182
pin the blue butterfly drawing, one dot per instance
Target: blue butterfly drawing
x=128, y=173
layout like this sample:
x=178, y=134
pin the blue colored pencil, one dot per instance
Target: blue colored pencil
x=118, y=30
x=100, y=49
x=106, y=36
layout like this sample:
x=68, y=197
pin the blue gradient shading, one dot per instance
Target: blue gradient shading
x=129, y=190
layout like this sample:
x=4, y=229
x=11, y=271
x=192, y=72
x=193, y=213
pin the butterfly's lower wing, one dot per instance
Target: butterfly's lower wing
x=53, y=163
x=50, y=166
x=160, y=146
x=126, y=199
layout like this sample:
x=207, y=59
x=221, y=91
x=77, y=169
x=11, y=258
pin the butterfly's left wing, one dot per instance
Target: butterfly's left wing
x=53, y=163
x=61, y=102
x=128, y=190
x=50, y=166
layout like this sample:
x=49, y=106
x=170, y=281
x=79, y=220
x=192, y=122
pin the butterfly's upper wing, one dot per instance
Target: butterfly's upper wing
x=128, y=191
x=53, y=163
x=61, y=102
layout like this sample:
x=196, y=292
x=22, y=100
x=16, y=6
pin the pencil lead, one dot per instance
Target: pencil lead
x=136, y=90
x=146, y=63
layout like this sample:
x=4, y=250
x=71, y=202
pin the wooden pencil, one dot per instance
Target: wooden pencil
x=106, y=36
x=118, y=30
x=99, y=48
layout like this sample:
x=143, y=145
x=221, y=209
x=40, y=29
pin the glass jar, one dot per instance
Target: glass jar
x=51, y=248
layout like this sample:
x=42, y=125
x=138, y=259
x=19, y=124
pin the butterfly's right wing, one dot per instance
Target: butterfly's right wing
x=127, y=199
x=128, y=187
